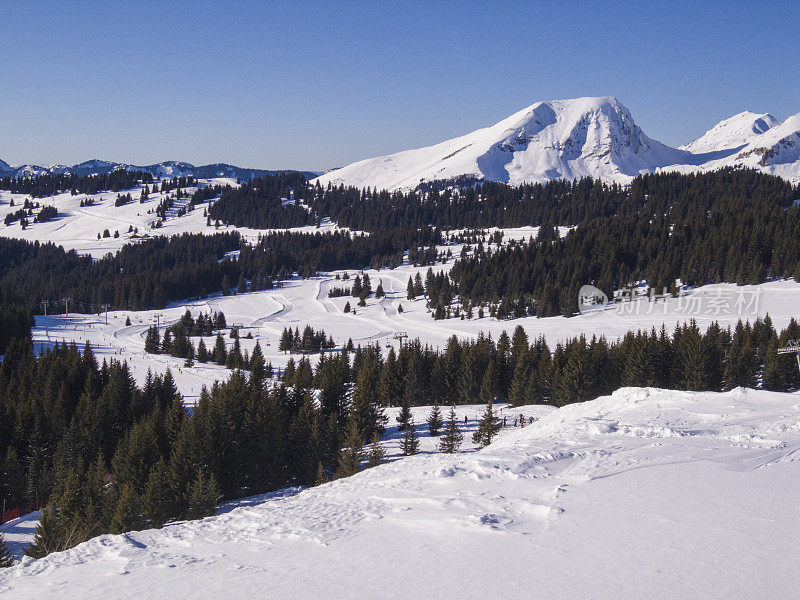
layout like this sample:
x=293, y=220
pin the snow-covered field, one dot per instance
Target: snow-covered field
x=299, y=302
x=642, y=494
x=76, y=227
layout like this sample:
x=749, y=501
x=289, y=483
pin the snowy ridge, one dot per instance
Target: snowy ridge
x=569, y=139
x=739, y=130
x=620, y=486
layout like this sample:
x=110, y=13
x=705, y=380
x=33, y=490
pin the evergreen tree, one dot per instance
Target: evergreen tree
x=404, y=416
x=367, y=414
x=151, y=341
x=351, y=455
x=435, y=420
x=157, y=501
x=220, y=352
x=6, y=560
x=450, y=442
x=203, y=497
x=127, y=514
x=258, y=367
x=377, y=454
x=410, y=443
x=575, y=379
x=488, y=427
x=411, y=289
x=49, y=535
x=202, y=352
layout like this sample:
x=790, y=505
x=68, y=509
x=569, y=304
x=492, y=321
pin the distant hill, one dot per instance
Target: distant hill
x=164, y=169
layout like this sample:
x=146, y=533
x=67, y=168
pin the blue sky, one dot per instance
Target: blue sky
x=315, y=85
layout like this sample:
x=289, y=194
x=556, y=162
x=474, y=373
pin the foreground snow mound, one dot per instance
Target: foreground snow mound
x=644, y=493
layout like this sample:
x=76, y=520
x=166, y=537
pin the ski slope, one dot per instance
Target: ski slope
x=298, y=302
x=76, y=227
x=646, y=493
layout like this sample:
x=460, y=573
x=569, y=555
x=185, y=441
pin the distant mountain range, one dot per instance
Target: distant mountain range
x=569, y=139
x=161, y=170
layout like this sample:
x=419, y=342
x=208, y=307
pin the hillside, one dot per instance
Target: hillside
x=631, y=495
x=570, y=139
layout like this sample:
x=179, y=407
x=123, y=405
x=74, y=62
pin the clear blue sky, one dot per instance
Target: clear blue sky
x=315, y=85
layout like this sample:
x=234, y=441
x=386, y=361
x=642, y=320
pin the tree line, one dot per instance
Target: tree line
x=49, y=184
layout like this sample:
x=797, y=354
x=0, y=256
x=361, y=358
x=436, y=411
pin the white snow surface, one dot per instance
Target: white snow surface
x=76, y=227
x=569, y=139
x=645, y=493
x=738, y=130
x=298, y=302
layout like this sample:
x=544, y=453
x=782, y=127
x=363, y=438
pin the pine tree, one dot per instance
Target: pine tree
x=488, y=427
x=258, y=371
x=157, y=501
x=638, y=367
x=127, y=514
x=450, y=442
x=410, y=443
x=404, y=416
x=220, y=353
x=202, y=352
x=351, y=455
x=376, y=454
x=151, y=341
x=488, y=391
x=435, y=420
x=203, y=497
x=6, y=560
x=49, y=535
x=411, y=290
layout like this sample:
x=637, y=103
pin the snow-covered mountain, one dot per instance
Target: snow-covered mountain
x=735, y=132
x=569, y=139
x=751, y=141
x=169, y=168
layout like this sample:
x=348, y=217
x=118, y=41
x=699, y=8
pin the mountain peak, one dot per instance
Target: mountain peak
x=734, y=132
x=593, y=136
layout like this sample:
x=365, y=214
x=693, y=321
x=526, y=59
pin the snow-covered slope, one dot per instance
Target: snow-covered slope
x=569, y=139
x=642, y=494
x=549, y=140
x=735, y=132
x=776, y=150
